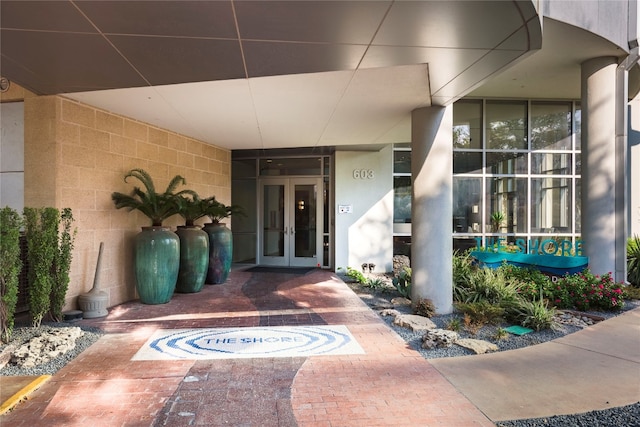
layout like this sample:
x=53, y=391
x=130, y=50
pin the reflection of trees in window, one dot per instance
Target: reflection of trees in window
x=551, y=164
x=467, y=162
x=467, y=119
x=402, y=161
x=578, y=127
x=506, y=125
x=461, y=136
x=467, y=205
x=551, y=207
x=402, y=199
x=507, y=162
x=509, y=196
x=578, y=201
x=551, y=126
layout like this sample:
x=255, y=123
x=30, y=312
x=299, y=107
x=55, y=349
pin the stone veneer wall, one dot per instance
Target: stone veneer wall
x=77, y=155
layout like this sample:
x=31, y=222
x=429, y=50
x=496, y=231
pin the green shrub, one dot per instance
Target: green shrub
x=454, y=324
x=586, y=291
x=529, y=282
x=489, y=285
x=462, y=271
x=533, y=314
x=376, y=284
x=62, y=264
x=402, y=282
x=425, y=308
x=631, y=292
x=356, y=275
x=10, y=266
x=501, y=334
x=41, y=230
x=633, y=260
x=481, y=313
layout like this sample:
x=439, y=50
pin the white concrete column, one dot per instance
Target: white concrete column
x=633, y=165
x=603, y=175
x=431, y=206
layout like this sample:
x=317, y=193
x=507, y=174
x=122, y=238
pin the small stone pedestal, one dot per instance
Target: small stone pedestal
x=93, y=304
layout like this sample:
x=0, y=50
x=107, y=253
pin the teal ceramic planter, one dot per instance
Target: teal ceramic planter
x=220, y=252
x=157, y=262
x=194, y=259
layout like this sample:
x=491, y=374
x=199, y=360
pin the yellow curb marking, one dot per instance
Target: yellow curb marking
x=23, y=393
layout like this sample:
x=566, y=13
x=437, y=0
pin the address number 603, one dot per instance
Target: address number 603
x=363, y=174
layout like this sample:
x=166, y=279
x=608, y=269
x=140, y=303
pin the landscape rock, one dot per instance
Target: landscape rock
x=399, y=264
x=47, y=346
x=414, y=322
x=389, y=312
x=382, y=305
x=477, y=346
x=439, y=338
x=576, y=319
x=400, y=301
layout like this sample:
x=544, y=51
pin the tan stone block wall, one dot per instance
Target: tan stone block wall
x=77, y=155
x=15, y=93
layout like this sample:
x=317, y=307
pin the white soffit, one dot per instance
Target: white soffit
x=303, y=110
x=376, y=101
x=220, y=112
x=293, y=110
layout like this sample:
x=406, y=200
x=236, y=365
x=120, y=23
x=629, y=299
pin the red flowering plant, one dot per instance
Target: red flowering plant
x=586, y=291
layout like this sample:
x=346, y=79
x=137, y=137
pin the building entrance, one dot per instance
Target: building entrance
x=290, y=222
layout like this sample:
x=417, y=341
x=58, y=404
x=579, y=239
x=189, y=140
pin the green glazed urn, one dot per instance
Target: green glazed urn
x=220, y=252
x=194, y=258
x=157, y=262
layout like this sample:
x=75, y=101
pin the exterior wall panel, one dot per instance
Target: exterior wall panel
x=365, y=234
x=606, y=18
x=76, y=156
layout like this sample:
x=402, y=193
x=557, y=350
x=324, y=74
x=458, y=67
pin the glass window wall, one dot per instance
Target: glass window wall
x=516, y=166
x=527, y=191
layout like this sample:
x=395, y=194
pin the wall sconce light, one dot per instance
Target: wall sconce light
x=301, y=205
x=4, y=84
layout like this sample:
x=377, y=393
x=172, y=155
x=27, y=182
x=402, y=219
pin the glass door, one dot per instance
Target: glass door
x=290, y=222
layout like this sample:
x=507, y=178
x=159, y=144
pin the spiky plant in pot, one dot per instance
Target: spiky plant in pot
x=220, y=240
x=155, y=206
x=194, y=243
x=157, y=248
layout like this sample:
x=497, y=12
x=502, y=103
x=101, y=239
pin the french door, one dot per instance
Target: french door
x=290, y=222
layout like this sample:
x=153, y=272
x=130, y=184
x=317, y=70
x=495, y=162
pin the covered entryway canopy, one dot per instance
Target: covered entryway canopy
x=236, y=73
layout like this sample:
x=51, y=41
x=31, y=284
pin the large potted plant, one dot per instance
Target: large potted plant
x=220, y=240
x=194, y=244
x=157, y=248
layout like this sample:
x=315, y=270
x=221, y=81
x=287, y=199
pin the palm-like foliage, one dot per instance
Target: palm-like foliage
x=633, y=260
x=217, y=211
x=192, y=208
x=156, y=206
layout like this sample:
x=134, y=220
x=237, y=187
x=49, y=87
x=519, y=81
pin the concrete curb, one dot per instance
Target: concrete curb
x=23, y=393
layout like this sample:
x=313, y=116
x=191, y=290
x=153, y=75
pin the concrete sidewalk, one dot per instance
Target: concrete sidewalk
x=389, y=385
x=593, y=369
